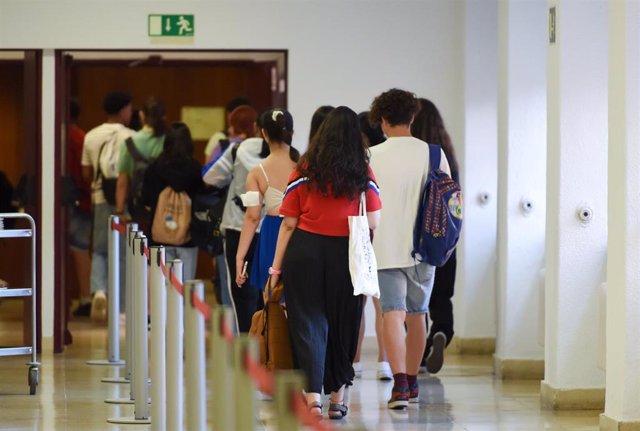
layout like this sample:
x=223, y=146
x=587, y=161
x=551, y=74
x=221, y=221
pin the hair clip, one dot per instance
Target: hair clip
x=274, y=115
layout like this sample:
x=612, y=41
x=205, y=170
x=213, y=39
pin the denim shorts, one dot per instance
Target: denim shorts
x=79, y=229
x=406, y=289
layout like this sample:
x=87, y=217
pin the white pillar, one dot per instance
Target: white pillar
x=622, y=409
x=576, y=233
x=522, y=33
x=47, y=223
x=475, y=298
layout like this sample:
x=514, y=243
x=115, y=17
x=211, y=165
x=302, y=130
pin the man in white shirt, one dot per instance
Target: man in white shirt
x=401, y=167
x=99, y=160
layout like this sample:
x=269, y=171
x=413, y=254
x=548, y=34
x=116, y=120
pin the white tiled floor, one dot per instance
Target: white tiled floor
x=463, y=396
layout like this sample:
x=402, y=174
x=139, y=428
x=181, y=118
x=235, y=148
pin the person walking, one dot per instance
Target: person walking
x=176, y=168
x=232, y=168
x=99, y=160
x=429, y=127
x=402, y=166
x=312, y=255
x=265, y=187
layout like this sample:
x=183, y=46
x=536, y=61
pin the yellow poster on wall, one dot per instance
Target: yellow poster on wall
x=203, y=121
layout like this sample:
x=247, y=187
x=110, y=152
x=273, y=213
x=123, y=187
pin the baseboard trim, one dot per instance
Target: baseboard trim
x=472, y=346
x=571, y=399
x=518, y=369
x=610, y=424
x=47, y=345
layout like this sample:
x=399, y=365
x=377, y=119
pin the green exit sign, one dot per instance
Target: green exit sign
x=171, y=25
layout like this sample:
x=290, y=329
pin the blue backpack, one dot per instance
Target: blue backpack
x=439, y=219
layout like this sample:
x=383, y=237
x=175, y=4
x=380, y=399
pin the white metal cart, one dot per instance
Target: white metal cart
x=34, y=370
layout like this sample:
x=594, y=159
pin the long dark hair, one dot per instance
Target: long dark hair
x=428, y=126
x=154, y=114
x=177, y=144
x=337, y=160
x=278, y=123
x=317, y=119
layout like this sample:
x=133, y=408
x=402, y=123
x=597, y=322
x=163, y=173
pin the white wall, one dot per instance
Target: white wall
x=340, y=51
x=522, y=169
x=474, y=300
x=576, y=177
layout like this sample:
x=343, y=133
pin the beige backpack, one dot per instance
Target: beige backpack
x=172, y=219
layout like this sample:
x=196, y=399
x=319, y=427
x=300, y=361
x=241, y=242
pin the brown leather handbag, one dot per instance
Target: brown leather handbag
x=271, y=328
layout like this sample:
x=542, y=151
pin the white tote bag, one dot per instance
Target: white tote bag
x=362, y=260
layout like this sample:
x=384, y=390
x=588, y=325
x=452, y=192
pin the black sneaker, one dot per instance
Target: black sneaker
x=414, y=393
x=399, y=398
x=436, y=355
x=83, y=310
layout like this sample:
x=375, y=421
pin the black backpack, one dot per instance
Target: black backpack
x=207, y=208
x=135, y=203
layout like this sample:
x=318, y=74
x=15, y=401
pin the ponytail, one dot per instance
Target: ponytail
x=294, y=154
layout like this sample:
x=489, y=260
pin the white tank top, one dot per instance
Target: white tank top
x=272, y=196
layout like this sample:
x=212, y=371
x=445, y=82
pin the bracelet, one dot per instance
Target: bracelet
x=274, y=271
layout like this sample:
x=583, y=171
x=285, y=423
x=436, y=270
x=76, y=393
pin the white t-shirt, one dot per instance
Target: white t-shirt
x=93, y=140
x=401, y=167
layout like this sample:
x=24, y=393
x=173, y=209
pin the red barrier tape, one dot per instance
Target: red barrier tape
x=201, y=306
x=260, y=375
x=118, y=227
x=176, y=284
x=146, y=252
x=227, y=333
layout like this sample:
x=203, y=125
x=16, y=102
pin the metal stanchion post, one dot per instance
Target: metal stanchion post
x=113, y=296
x=129, y=298
x=221, y=369
x=245, y=389
x=140, y=371
x=158, y=338
x=196, y=397
x=131, y=231
x=288, y=384
x=175, y=350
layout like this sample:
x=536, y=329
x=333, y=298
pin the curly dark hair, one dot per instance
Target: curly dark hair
x=337, y=160
x=429, y=126
x=397, y=107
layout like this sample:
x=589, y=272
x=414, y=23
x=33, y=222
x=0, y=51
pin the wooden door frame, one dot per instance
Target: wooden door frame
x=60, y=318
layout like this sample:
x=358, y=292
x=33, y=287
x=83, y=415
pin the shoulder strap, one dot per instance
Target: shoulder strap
x=133, y=150
x=234, y=151
x=434, y=157
x=264, y=173
x=99, y=173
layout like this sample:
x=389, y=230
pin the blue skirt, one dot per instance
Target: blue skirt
x=265, y=251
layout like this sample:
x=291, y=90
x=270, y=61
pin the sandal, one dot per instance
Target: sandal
x=337, y=410
x=315, y=405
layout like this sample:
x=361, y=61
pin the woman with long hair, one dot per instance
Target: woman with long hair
x=428, y=126
x=312, y=254
x=266, y=184
x=175, y=168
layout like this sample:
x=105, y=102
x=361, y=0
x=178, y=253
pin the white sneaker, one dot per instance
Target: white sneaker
x=384, y=371
x=357, y=368
x=99, y=307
